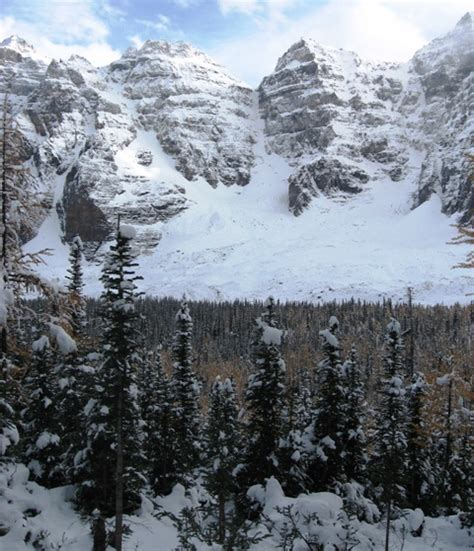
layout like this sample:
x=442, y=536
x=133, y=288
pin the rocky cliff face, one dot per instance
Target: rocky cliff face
x=94, y=139
x=89, y=133
x=334, y=118
x=200, y=114
x=438, y=106
x=343, y=123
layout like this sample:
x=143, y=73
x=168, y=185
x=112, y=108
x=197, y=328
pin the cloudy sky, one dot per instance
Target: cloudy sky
x=247, y=36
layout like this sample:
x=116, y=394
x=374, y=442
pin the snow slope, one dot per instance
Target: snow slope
x=34, y=517
x=304, y=189
x=235, y=242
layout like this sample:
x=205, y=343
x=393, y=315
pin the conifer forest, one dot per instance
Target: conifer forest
x=127, y=398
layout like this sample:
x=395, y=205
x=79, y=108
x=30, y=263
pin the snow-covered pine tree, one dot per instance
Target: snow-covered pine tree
x=462, y=466
x=296, y=417
x=458, y=483
x=354, y=440
x=9, y=435
x=75, y=299
x=303, y=399
x=186, y=392
x=72, y=395
x=222, y=448
x=113, y=459
x=41, y=417
x=292, y=460
x=389, y=438
x=158, y=414
x=326, y=458
x=265, y=401
x=418, y=471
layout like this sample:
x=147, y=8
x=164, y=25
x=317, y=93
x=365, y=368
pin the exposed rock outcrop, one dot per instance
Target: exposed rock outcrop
x=97, y=141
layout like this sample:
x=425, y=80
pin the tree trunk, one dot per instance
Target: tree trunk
x=99, y=534
x=4, y=250
x=221, y=519
x=119, y=474
x=411, y=348
x=387, y=531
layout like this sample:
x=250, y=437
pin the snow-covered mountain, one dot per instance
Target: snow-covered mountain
x=337, y=177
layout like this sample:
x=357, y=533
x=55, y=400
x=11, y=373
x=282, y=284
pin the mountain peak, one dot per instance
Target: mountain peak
x=465, y=21
x=164, y=47
x=20, y=45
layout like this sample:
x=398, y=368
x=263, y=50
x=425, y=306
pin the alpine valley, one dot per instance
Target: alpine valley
x=337, y=177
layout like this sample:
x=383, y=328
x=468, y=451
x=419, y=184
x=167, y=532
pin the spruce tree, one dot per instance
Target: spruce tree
x=265, y=400
x=158, y=414
x=113, y=458
x=463, y=466
x=354, y=441
x=9, y=435
x=291, y=454
x=186, y=392
x=41, y=418
x=292, y=461
x=76, y=301
x=303, y=400
x=419, y=470
x=327, y=459
x=389, y=439
x=71, y=374
x=222, y=448
x=458, y=488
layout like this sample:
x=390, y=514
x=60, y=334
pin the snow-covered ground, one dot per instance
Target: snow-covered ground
x=30, y=513
x=235, y=242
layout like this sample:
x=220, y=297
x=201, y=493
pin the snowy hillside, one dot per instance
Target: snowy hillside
x=242, y=241
x=336, y=178
x=32, y=508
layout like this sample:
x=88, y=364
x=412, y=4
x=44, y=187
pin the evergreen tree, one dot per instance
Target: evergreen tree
x=458, y=488
x=354, y=441
x=292, y=461
x=291, y=453
x=419, y=471
x=186, y=391
x=158, y=414
x=9, y=435
x=264, y=400
x=113, y=458
x=41, y=419
x=72, y=396
x=303, y=400
x=463, y=465
x=389, y=439
x=327, y=461
x=222, y=450
x=76, y=301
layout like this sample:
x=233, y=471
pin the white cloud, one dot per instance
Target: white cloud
x=162, y=23
x=64, y=29
x=375, y=29
x=185, y=3
x=243, y=6
x=68, y=22
x=249, y=7
x=113, y=11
